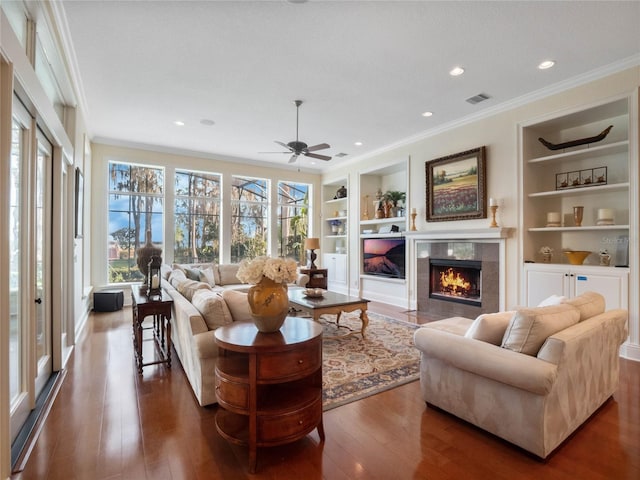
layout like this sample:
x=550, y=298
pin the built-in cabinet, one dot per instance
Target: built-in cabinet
x=544, y=280
x=335, y=231
x=595, y=176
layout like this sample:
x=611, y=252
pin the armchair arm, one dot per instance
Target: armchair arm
x=302, y=280
x=487, y=360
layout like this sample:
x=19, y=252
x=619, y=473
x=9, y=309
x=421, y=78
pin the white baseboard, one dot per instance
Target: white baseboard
x=630, y=351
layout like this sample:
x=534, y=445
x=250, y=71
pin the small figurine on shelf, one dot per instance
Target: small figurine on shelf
x=605, y=258
x=547, y=253
x=342, y=192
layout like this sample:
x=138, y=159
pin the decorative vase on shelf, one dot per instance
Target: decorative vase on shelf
x=342, y=192
x=144, y=254
x=269, y=304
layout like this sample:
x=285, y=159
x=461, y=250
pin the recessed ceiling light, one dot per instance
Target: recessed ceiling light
x=358, y=144
x=455, y=71
x=546, y=64
x=427, y=114
x=179, y=123
x=207, y=122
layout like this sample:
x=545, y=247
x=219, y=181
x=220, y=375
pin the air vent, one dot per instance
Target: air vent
x=341, y=154
x=481, y=97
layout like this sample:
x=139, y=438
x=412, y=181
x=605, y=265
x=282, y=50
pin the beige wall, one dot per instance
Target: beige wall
x=499, y=133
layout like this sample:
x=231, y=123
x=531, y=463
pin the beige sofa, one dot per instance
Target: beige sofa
x=531, y=376
x=199, y=307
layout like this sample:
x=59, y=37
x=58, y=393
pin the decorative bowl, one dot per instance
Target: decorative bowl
x=314, y=292
x=576, y=257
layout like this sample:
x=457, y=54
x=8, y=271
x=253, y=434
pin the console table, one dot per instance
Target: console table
x=159, y=307
x=269, y=385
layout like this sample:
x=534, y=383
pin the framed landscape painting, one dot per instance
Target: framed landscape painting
x=456, y=186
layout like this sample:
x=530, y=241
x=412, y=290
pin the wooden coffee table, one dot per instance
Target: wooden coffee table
x=330, y=303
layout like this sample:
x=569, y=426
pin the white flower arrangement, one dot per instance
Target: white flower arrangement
x=546, y=250
x=281, y=270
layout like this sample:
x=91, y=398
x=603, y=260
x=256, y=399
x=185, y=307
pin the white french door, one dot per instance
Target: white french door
x=30, y=359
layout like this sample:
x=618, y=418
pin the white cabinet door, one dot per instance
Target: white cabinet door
x=613, y=287
x=336, y=265
x=542, y=283
x=544, y=280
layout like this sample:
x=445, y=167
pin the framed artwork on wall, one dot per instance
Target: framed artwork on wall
x=79, y=204
x=457, y=186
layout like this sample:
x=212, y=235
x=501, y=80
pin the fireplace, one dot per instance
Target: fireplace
x=457, y=281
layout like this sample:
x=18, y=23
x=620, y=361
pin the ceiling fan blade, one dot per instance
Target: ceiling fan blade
x=320, y=146
x=283, y=145
x=319, y=157
x=293, y=158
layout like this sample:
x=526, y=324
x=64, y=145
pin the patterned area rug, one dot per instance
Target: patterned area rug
x=354, y=368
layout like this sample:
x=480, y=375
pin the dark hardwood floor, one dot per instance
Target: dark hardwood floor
x=109, y=423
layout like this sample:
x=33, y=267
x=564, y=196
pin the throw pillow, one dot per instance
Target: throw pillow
x=165, y=271
x=228, y=274
x=589, y=304
x=553, y=300
x=176, y=277
x=490, y=327
x=238, y=305
x=530, y=327
x=207, y=276
x=212, y=307
x=188, y=288
x=192, y=274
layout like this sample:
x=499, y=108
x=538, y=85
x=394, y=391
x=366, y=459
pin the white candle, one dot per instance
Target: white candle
x=493, y=202
x=414, y=210
x=605, y=214
x=553, y=217
x=155, y=281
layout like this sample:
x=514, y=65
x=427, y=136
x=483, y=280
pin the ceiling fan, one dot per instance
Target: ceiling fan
x=298, y=148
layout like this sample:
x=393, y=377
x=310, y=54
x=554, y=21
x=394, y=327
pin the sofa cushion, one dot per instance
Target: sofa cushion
x=228, y=274
x=176, y=277
x=187, y=288
x=490, y=327
x=213, y=308
x=165, y=271
x=238, y=305
x=589, y=304
x=553, y=300
x=530, y=327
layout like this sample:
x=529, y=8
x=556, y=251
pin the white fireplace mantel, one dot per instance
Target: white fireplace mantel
x=462, y=234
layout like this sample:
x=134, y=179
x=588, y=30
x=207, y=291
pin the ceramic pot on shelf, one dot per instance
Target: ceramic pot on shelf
x=269, y=304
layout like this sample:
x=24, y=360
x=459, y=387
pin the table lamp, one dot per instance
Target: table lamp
x=311, y=244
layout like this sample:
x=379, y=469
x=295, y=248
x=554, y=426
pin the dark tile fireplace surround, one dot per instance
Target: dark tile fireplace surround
x=466, y=257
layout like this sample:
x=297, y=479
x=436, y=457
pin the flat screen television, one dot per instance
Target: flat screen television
x=384, y=257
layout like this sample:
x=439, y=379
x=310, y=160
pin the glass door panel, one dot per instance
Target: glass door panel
x=42, y=271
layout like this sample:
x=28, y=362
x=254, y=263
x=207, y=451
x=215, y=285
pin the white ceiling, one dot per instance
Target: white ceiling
x=366, y=71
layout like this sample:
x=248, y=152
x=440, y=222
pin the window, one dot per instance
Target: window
x=249, y=217
x=136, y=200
x=293, y=219
x=197, y=217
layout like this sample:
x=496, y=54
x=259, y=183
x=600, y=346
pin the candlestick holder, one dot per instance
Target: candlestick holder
x=494, y=209
x=413, y=221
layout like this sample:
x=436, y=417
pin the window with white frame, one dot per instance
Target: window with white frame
x=293, y=219
x=249, y=217
x=197, y=217
x=136, y=205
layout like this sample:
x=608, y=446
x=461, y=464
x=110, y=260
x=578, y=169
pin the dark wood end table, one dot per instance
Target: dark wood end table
x=269, y=385
x=159, y=307
x=317, y=277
